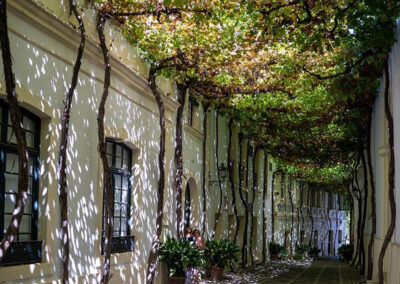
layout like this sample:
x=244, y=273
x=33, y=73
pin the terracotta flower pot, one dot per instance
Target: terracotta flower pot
x=216, y=272
x=176, y=279
x=275, y=257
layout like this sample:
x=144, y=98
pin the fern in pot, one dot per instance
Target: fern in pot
x=220, y=254
x=179, y=255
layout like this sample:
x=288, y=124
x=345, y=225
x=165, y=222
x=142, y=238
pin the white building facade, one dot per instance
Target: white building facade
x=380, y=152
x=44, y=45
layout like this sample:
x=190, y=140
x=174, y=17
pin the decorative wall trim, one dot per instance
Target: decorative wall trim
x=193, y=132
x=47, y=22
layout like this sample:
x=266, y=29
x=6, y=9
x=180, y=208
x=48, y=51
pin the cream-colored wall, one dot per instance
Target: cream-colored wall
x=323, y=219
x=42, y=65
x=44, y=48
x=380, y=160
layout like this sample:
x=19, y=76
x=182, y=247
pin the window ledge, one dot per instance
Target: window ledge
x=26, y=252
x=121, y=244
x=193, y=132
x=25, y=271
x=121, y=258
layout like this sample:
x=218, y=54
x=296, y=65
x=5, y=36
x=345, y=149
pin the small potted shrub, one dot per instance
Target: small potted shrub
x=313, y=252
x=274, y=250
x=283, y=253
x=219, y=255
x=179, y=255
x=297, y=256
x=301, y=252
x=346, y=252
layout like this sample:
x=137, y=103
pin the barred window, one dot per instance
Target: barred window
x=120, y=160
x=28, y=227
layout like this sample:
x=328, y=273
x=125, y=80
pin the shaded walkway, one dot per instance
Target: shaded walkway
x=322, y=270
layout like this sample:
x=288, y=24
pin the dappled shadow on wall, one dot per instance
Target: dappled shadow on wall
x=43, y=78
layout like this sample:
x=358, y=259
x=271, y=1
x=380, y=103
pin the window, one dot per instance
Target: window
x=316, y=238
x=302, y=233
x=287, y=241
x=315, y=198
x=301, y=193
x=254, y=232
x=330, y=243
x=190, y=113
x=340, y=237
x=340, y=202
x=120, y=160
x=25, y=248
x=187, y=207
x=331, y=197
x=193, y=107
x=231, y=227
x=282, y=186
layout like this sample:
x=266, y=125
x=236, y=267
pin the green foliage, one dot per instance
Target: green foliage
x=298, y=256
x=302, y=249
x=283, y=253
x=178, y=255
x=221, y=253
x=346, y=252
x=313, y=251
x=300, y=78
x=275, y=248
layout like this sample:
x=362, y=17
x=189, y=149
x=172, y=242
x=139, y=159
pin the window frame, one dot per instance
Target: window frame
x=120, y=243
x=193, y=107
x=123, y=173
x=21, y=251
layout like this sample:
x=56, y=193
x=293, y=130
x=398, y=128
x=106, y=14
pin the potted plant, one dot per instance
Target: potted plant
x=283, y=253
x=313, y=252
x=179, y=255
x=220, y=254
x=301, y=252
x=346, y=252
x=274, y=250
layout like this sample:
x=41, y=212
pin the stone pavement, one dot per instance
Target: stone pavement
x=322, y=270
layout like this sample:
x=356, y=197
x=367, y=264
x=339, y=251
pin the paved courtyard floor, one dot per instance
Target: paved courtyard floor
x=317, y=271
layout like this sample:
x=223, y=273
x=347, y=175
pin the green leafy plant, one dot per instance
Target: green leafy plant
x=221, y=253
x=283, y=253
x=313, y=251
x=298, y=256
x=346, y=251
x=178, y=255
x=275, y=248
x=302, y=249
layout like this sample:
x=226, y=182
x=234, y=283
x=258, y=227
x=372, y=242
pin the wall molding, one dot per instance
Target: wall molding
x=42, y=19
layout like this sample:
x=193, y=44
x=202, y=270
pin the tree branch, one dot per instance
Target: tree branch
x=157, y=13
x=273, y=9
x=347, y=70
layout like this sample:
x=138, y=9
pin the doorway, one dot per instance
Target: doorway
x=187, y=206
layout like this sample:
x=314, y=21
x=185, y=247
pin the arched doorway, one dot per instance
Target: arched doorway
x=187, y=206
x=191, y=205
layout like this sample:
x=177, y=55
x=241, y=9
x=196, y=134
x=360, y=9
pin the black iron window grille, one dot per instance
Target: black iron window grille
x=120, y=244
x=120, y=159
x=25, y=248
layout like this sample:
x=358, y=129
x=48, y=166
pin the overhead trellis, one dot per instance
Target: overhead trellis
x=299, y=76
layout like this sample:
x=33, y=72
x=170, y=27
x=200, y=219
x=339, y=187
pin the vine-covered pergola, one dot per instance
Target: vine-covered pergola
x=299, y=76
